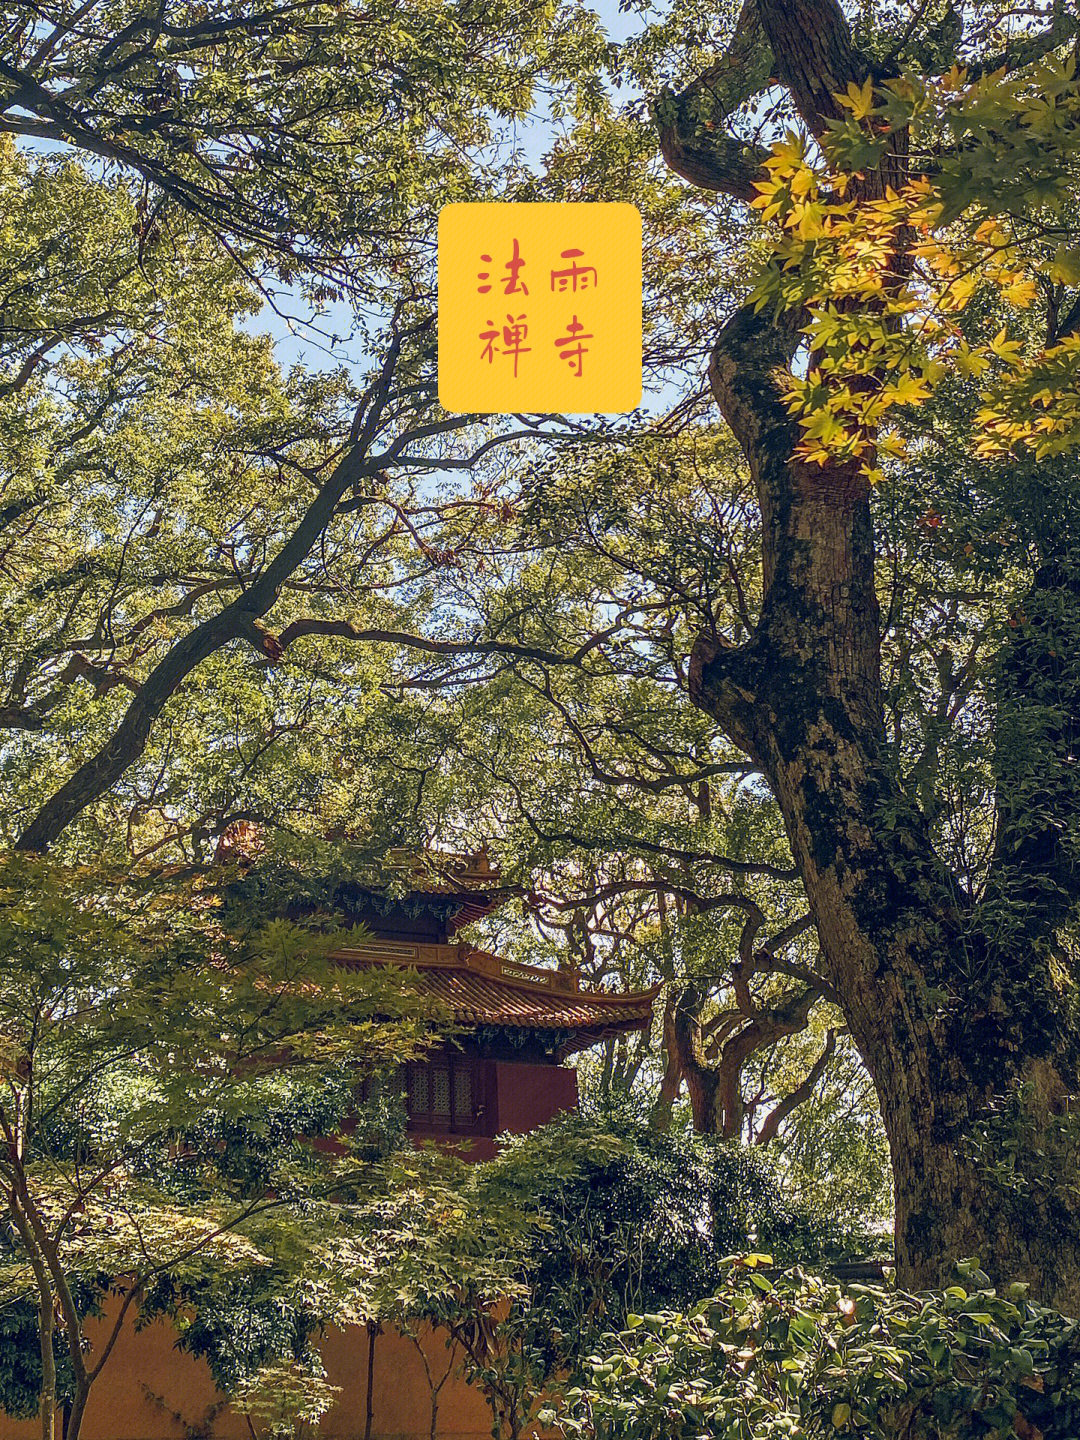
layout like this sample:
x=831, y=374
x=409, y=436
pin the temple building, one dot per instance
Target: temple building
x=502, y=1070
x=515, y=1025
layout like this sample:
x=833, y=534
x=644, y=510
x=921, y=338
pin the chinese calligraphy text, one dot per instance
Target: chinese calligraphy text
x=568, y=337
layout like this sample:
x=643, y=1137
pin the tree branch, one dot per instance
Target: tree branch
x=127, y=742
x=801, y=1093
x=693, y=140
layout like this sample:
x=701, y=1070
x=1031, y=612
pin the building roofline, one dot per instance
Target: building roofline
x=507, y=974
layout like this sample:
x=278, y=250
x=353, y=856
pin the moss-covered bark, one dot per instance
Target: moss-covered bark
x=962, y=1009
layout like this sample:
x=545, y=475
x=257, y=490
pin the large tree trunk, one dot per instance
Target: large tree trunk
x=953, y=1002
x=932, y=1003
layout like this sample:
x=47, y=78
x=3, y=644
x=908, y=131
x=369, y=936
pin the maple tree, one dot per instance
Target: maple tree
x=168, y=1062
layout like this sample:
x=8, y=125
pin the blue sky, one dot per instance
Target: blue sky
x=322, y=348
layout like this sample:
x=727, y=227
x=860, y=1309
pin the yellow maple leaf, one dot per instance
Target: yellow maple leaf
x=1020, y=293
x=859, y=99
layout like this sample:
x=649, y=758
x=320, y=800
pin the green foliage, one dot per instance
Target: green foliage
x=20, y=1360
x=20, y=1351
x=648, y=1226
x=158, y=458
x=155, y=457
x=643, y=1223
x=313, y=133
x=436, y=1237
x=482, y=646
x=284, y=1399
x=783, y=1353
x=241, y=1319
x=526, y=1261
x=167, y=1079
x=832, y=1150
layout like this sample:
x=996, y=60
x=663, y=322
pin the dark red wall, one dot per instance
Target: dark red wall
x=518, y=1098
x=531, y=1095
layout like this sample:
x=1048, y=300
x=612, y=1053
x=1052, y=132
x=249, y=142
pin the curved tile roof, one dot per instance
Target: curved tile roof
x=483, y=989
x=480, y=1000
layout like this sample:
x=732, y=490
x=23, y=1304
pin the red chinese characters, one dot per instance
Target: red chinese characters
x=575, y=277
x=574, y=353
x=513, y=335
x=508, y=340
x=511, y=282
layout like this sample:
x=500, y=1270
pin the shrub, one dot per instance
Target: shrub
x=628, y=1218
x=790, y=1354
x=646, y=1219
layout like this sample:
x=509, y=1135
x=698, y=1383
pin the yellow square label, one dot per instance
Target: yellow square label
x=539, y=308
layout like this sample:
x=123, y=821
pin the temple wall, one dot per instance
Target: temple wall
x=151, y=1391
x=525, y=1097
x=531, y=1095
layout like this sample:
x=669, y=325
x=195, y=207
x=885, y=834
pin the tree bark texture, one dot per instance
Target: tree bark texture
x=950, y=1008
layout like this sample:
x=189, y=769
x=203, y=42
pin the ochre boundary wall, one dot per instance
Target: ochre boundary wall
x=150, y=1390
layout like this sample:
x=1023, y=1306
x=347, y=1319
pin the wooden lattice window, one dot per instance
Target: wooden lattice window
x=445, y=1094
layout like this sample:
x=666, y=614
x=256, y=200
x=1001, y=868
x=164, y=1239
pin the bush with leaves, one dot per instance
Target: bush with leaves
x=784, y=1353
x=611, y=1216
x=284, y=1400
x=647, y=1224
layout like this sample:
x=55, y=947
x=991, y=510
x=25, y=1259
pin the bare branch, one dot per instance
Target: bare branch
x=802, y=1092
